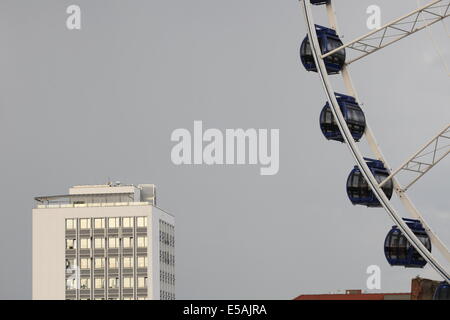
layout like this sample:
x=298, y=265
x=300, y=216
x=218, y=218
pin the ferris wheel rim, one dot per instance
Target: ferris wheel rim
x=354, y=150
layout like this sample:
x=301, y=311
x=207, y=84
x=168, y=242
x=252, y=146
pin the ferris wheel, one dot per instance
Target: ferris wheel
x=372, y=182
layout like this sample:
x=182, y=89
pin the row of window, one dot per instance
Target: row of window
x=113, y=283
x=166, y=295
x=167, y=277
x=113, y=242
x=111, y=298
x=113, y=262
x=166, y=238
x=99, y=223
x=166, y=257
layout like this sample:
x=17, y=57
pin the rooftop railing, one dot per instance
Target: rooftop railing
x=93, y=204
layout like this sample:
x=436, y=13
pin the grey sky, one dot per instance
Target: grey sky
x=77, y=107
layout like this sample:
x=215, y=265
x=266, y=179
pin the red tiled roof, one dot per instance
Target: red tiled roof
x=362, y=296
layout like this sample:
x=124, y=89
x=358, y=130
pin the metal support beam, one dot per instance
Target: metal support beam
x=397, y=29
x=433, y=149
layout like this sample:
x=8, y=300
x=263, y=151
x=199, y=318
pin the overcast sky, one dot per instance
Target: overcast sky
x=77, y=107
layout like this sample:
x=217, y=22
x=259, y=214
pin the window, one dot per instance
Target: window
x=99, y=283
x=85, y=263
x=141, y=221
x=99, y=223
x=113, y=283
x=142, y=262
x=99, y=243
x=142, y=242
x=128, y=222
x=113, y=242
x=113, y=222
x=85, y=223
x=99, y=263
x=128, y=242
x=113, y=263
x=128, y=282
x=142, y=282
x=71, y=224
x=85, y=243
x=71, y=244
x=128, y=262
x=71, y=263
x=71, y=283
x=85, y=283
x=402, y=247
x=425, y=239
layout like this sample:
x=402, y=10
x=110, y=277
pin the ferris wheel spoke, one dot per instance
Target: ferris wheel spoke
x=425, y=159
x=396, y=30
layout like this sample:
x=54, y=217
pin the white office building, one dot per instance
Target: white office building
x=103, y=242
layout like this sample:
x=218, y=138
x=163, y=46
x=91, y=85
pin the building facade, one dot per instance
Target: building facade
x=103, y=242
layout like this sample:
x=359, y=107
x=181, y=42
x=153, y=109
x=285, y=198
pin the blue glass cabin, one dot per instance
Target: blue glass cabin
x=328, y=41
x=398, y=250
x=319, y=2
x=442, y=291
x=359, y=191
x=353, y=114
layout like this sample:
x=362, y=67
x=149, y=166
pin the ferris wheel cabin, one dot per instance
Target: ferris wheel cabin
x=442, y=292
x=353, y=114
x=328, y=41
x=398, y=250
x=358, y=190
x=319, y=2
